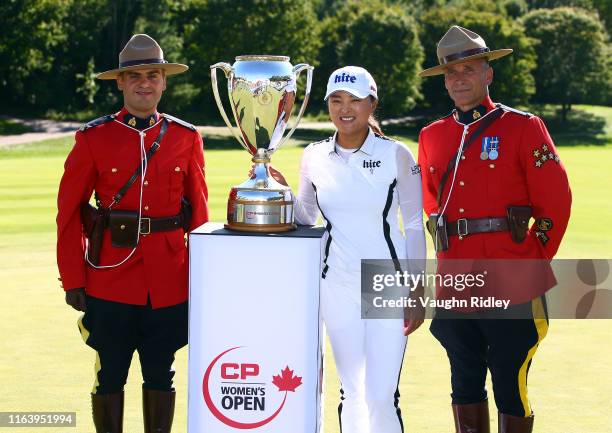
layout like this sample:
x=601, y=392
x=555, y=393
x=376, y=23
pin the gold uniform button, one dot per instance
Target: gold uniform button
x=146, y=182
x=114, y=170
x=122, y=226
x=146, y=208
x=461, y=210
x=462, y=156
x=460, y=238
x=491, y=165
x=461, y=183
x=177, y=168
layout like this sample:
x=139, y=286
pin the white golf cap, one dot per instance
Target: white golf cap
x=354, y=80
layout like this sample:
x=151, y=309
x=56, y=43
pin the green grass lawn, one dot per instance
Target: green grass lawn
x=44, y=366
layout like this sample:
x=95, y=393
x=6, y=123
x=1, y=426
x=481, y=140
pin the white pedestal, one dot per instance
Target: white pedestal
x=255, y=354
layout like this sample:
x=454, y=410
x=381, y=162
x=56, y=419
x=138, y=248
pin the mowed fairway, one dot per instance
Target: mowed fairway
x=44, y=365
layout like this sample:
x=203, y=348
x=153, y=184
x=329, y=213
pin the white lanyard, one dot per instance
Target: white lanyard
x=143, y=172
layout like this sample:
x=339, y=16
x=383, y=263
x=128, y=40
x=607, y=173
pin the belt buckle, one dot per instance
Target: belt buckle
x=148, y=226
x=465, y=225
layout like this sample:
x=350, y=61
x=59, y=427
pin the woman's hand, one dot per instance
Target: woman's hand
x=414, y=316
x=276, y=175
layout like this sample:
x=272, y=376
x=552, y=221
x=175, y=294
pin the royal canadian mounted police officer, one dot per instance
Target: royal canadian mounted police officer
x=146, y=170
x=487, y=169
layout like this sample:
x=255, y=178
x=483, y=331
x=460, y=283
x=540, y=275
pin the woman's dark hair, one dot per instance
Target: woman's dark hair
x=373, y=123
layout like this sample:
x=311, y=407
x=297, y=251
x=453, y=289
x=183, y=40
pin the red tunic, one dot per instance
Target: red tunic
x=527, y=171
x=103, y=158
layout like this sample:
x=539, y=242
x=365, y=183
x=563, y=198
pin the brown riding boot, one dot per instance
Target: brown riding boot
x=472, y=418
x=514, y=424
x=158, y=410
x=107, y=410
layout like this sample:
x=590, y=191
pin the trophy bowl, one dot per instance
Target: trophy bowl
x=262, y=92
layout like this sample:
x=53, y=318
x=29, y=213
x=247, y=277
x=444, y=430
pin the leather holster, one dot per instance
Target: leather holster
x=518, y=221
x=94, y=222
x=436, y=226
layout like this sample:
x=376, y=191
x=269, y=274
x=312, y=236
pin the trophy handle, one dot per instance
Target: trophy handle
x=297, y=69
x=229, y=72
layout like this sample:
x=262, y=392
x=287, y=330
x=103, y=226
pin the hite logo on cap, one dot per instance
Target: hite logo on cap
x=345, y=78
x=352, y=79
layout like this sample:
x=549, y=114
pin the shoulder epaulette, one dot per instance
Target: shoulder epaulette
x=322, y=141
x=514, y=110
x=97, y=122
x=180, y=122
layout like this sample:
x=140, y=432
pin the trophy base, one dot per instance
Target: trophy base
x=261, y=216
x=267, y=228
x=260, y=204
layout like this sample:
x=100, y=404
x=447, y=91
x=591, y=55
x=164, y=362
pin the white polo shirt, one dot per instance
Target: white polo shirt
x=358, y=197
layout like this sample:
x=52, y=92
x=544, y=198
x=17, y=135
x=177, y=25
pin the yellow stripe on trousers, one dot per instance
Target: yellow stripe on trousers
x=541, y=324
x=97, y=365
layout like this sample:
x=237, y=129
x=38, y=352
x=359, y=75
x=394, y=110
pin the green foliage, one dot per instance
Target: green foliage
x=516, y=8
x=29, y=33
x=382, y=38
x=572, y=56
x=602, y=7
x=219, y=31
x=52, y=49
x=513, y=83
x=552, y=4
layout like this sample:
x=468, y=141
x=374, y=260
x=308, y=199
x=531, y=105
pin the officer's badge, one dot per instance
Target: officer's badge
x=490, y=148
x=151, y=121
x=543, y=154
x=476, y=115
x=132, y=122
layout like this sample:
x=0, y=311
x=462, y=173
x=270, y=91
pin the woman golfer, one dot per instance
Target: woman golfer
x=357, y=179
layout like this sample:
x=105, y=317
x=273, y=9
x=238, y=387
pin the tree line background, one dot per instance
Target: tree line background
x=51, y=49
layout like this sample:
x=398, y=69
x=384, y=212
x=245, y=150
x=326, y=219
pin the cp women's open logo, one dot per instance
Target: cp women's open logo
x=237, y=393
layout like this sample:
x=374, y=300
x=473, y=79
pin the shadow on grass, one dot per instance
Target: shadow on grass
x=8, y=127
x=581, y=128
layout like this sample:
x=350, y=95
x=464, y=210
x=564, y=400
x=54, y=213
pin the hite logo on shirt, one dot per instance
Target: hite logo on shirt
x=371, y=164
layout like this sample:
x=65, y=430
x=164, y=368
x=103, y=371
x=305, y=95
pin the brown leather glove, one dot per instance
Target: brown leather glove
x=76, y=298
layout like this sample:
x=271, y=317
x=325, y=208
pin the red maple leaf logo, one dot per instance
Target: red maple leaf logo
x=286, y=381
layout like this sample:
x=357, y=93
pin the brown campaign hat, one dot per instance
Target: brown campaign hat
x=142, y=52
x=459, y=45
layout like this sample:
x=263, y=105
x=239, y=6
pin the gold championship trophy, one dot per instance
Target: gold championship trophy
x=262, y=92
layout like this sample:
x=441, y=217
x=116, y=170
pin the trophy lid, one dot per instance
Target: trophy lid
x=264, y=57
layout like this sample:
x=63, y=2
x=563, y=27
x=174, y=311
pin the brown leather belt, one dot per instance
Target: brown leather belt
x=465, y=226
x=163, y=224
